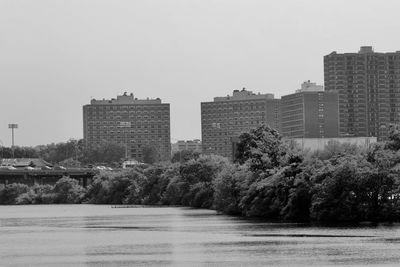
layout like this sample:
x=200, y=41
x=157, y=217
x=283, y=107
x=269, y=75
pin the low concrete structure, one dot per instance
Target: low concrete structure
x=37, y=176
x=314, y=144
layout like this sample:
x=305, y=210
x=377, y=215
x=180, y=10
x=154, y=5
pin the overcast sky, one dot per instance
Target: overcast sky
x=56, y=55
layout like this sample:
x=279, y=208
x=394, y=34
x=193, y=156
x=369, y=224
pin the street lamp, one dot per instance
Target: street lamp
x=12, y=126
x=2, y=145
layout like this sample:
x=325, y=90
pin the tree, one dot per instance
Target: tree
x=124, y=187
x=261, y=148
x=9, y=193
x=149, y=154
x=393, y=142
x=334, y=199
x=68, y=190
x=228, y=186
x=19, y=152
x=197, y=176
x=107, y=152
x=56, y=153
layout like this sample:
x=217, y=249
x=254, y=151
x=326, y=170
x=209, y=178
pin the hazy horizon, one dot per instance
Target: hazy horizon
x=57, y=55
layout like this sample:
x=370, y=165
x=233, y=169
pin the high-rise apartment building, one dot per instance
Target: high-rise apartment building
x=226, y=117
x=311, y=112
x=368, y=84
x=134, y=123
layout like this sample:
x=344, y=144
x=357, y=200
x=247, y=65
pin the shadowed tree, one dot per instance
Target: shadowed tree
x=149, y=154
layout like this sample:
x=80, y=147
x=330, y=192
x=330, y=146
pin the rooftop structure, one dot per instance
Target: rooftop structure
x=125, y=99
x=243, y=95
x=308, y=86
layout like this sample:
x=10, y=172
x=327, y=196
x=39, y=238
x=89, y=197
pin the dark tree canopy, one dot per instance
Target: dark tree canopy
x=149, y=154
x=393, y=141
x=106, y=152
x=262, y=148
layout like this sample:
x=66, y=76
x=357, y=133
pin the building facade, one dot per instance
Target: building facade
x=369, y=90
x=311, y=112
x=134, y=123
x=226, y=118
x=190, y=145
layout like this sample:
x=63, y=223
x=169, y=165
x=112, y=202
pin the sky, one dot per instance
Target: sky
x=57, y=55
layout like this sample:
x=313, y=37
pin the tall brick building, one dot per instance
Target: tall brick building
x=368, y=84
x=311, y=112
x=226, y=117
x=135, y=123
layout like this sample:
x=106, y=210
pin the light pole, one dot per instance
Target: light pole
x=12, y=126
x=2, y=145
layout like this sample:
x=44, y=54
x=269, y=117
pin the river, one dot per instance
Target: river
x=102, y=235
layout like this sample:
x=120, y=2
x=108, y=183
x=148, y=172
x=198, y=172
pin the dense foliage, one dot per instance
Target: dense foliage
x=66, y=190
x=271, y=179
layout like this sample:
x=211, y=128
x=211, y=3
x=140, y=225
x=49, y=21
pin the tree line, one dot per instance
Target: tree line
x=73, y=153
x=271, y=178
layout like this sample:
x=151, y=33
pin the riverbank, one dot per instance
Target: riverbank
x=271, y=179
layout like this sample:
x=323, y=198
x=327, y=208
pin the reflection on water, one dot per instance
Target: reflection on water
x=87, y=235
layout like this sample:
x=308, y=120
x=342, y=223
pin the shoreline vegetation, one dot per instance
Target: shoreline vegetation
x=271, y=179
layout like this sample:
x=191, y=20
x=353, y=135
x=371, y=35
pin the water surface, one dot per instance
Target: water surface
x=93, y=235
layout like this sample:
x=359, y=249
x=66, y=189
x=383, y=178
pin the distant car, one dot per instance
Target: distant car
x=7, y=167
x=100, y=168
x=45, y=168
x=60, y=168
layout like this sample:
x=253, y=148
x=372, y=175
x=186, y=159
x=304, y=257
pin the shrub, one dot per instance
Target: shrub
x=10, y=193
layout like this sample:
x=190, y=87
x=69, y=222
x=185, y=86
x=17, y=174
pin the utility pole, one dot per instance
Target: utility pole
x=12, y=126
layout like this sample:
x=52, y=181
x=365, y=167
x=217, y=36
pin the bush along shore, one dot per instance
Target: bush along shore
x=271, y=179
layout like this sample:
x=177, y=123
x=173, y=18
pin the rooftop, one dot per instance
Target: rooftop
x=366, y=50
x=125, y=99
x=308, y=86
x=243, y=95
